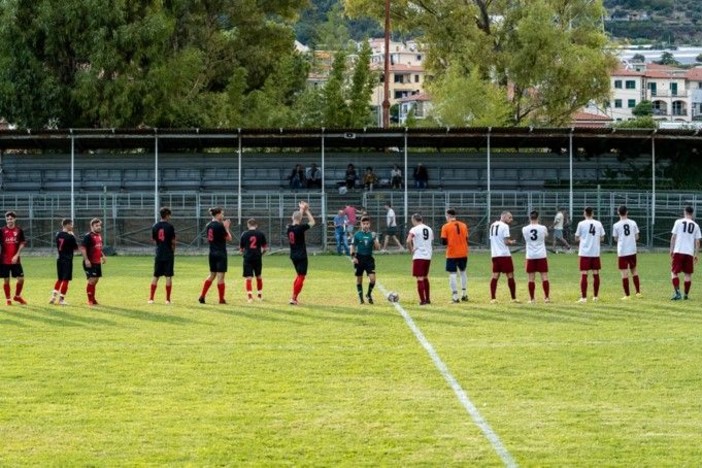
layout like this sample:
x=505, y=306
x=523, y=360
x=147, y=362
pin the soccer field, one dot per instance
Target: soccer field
x=334, y=383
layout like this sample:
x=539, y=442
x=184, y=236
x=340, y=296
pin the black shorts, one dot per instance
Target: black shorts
x=163, y=268
x=300, y=265
x=391, y=231
x=64, y=269
x=456, y=264
x=94, y=271
x=13, y=269
x=252, y=267
x=218, y=264
x=366, y=264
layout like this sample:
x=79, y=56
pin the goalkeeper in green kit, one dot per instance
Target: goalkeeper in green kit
x=364, y=241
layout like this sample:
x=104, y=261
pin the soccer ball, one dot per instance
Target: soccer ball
x=393, y=297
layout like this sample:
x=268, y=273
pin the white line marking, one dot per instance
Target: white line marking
x=475, y=415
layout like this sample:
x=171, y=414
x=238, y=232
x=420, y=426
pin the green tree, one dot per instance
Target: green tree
x=86, y=63
x=466, y=100
x=336, y=112
x=643, y=109
x=639, y=122
x=346, y=95
x=550, y=57
x=333, y=34
x=667, y=58
x=361, y=89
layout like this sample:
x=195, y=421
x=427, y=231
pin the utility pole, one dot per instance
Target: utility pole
x=386, y=69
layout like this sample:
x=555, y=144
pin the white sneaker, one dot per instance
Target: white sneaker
x=595, y=299
x=150, y=301
x=515, y=301
x=249, y=300
x=626, y=298
x=168, y=302
x=582, y=300
x=547, y=300
x=532, y=301
x=52, y=299
x=62, y=302
x=493, y=301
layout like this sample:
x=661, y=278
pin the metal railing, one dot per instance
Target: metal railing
x=128, y=216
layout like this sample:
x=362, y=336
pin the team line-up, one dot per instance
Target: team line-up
x=684, y=250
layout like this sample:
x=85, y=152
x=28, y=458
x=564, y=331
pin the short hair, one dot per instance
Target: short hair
x=365, y=219
x=451, y=212
x=534, y=215
x=66, y=221
x=251, y=222
x=215, y=210
x=297, y=215
x=388, y=204
x=11, y=214
x=622, y=210
x=588, y=210
x=417, y=217
x=165, y=211
x=95, y=221
x=689, y=210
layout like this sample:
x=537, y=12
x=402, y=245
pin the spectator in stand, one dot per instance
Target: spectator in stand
x=297, y=177
x=421, y=176
x=314, y=176
x=369, y=179
x=350, y=177
x=340, y=223
x=350, y=212
x=396, y=177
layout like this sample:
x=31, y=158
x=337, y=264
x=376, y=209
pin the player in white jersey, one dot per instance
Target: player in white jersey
x=419, y=243
x=535, y=238
x=625, y=233
x=684, y=248
x=501, y=256
x=590, y=234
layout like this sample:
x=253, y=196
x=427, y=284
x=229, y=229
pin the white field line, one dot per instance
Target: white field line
x=475, y=415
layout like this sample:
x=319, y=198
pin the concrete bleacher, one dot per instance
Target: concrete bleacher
x=269, y=171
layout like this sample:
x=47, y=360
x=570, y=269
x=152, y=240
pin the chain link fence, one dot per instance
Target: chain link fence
x=128, y=217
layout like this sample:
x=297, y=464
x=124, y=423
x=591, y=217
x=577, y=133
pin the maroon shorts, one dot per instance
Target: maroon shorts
x=537, y=265
x=683, y=263
x=590, y=263
x=627, y=261
x=502, y=265
x=420, y=267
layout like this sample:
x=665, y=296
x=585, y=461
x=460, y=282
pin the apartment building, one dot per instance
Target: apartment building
x=407, y=73
x=676, y=93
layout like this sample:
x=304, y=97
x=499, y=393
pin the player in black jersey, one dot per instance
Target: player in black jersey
x=66, y=244
x=298, y=247
x=252, y=244
x=218, y=234
x=163, y=234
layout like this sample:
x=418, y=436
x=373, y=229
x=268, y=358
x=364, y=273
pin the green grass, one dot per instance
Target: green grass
x=333, y=383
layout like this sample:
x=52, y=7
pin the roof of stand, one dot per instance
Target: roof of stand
x=172, y=140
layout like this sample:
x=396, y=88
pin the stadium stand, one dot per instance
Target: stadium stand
x=267, y=172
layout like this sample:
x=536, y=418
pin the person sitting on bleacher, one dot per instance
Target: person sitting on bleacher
x=350, y=177
x=421, y=176
x=297, y=177
x=314, y=176
x=396, y=177
x=369, y=179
